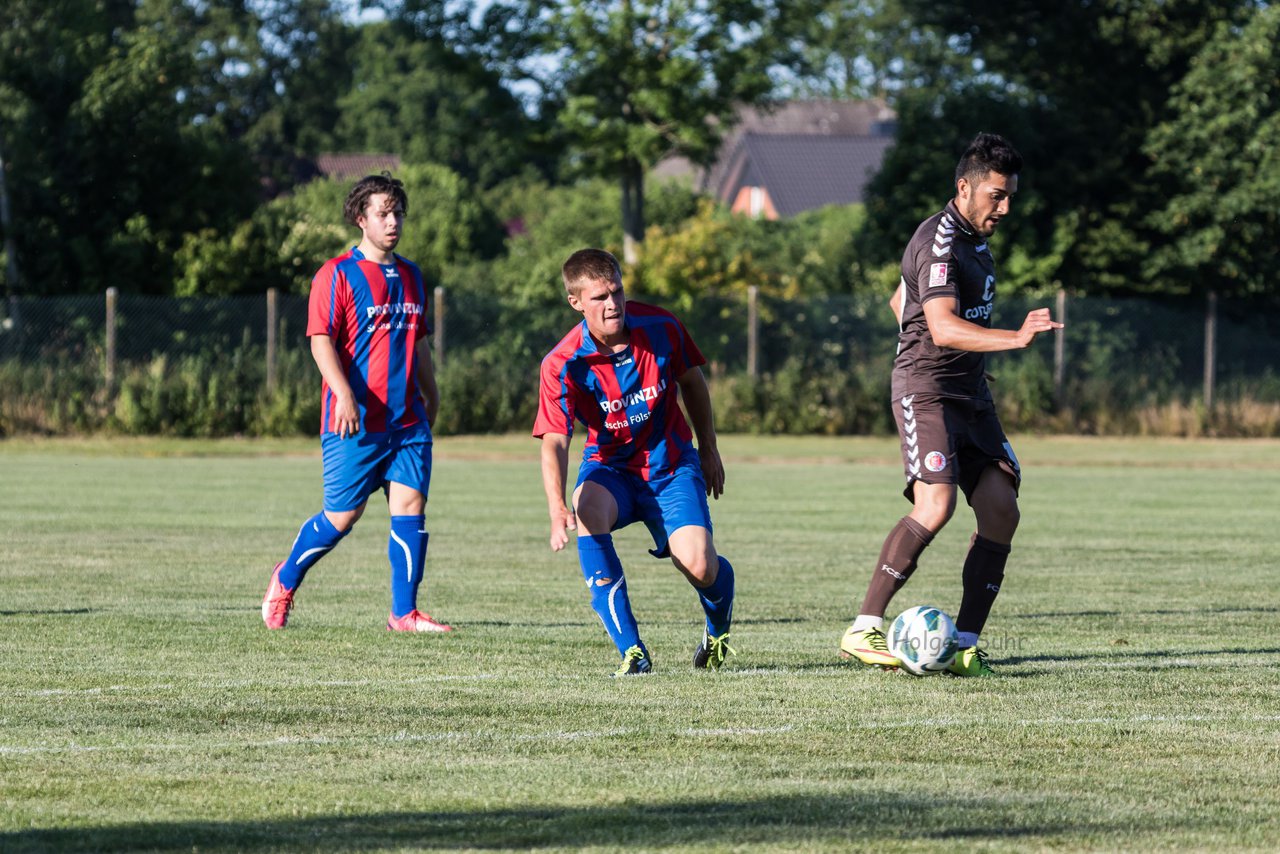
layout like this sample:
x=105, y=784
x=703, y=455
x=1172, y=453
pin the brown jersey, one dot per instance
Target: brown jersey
x=945, y=258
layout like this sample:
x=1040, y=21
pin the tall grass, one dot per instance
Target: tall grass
x=224, y=394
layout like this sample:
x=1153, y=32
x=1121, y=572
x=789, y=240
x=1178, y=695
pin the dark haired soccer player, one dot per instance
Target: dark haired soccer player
x=617, y=372
x=950, y=434
x=368, y=329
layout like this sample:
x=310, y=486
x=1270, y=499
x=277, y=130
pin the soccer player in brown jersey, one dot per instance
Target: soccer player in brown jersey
x=946, y=419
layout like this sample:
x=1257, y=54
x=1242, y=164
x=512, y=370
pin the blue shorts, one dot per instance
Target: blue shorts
x=359, y=465
x=664, y=505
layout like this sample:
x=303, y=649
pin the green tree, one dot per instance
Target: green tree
x=420, y=98
x=868, y=49
x=107, y=168
x=1220, y=150
x=287, y=239
x=1076, y=86
x=630, y=82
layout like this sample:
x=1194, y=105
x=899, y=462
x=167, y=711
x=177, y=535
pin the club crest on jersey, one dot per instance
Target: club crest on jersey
x=935, y=461
x=937, y=275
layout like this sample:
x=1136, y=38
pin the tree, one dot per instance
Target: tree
x=627, y=83
x=107, y=168
x=1077, y=86
x=1220, y=150
x=425, y=101
x=868, y=49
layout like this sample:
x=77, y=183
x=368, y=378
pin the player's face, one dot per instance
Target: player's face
x=984, y=204
x=382, y=221
x=604, y=305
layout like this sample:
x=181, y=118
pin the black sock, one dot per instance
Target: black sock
x=983, y=574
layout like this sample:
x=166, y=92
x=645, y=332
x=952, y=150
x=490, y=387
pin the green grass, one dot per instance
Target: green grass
x=143, y=705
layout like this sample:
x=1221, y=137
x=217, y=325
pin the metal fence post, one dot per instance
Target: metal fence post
x=110, y=368
x=1060, y=354
x=1210, y=348
x=753, y=330
x=439, y=325
x=273, y=313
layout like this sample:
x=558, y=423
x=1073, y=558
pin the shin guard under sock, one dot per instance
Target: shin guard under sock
x=898, y=558
x=983, y=575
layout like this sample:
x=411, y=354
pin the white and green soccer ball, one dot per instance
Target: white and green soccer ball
x=924, y=639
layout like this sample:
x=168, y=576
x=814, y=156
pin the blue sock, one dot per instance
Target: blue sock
x=315, y=538
x=407, y=551
x=603, y=572
x=717, y=600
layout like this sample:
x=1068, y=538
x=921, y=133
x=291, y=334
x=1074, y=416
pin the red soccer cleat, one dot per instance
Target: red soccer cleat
x=416, y=621
x=278, y=601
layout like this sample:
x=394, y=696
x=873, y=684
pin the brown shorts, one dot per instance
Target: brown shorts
x=950, y=440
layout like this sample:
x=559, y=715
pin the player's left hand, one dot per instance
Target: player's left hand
x=712, y=471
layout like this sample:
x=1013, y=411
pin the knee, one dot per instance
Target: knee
x=344, y=520
x=1008, y=516
x=934, y=509
x=701, y=568
x=592, y=520
x=999, y=520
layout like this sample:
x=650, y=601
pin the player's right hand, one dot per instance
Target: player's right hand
x=562, y=522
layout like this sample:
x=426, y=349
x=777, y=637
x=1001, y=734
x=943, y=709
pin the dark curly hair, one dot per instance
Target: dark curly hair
x=368, y=186
x=989, y=152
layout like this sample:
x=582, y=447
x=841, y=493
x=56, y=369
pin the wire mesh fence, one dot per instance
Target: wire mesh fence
x=139, y=363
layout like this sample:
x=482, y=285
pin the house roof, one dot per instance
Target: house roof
x=803, y=171
x=347, y=167
x=819, y=116
x=872, y=121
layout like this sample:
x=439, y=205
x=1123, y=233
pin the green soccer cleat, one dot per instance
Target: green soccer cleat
x=710, y=653
x=635, y=661
x=868, y=646
x=970, y=662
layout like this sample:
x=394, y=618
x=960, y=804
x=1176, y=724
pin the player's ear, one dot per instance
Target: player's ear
x=573, y=300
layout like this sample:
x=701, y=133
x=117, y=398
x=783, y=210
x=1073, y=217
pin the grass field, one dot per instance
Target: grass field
x=144, y=706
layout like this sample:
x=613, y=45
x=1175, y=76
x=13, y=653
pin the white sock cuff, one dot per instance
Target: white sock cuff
x=868, y=621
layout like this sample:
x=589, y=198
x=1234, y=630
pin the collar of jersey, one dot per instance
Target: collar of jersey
x=589, y=343
x=357, y=255
x=961, y=223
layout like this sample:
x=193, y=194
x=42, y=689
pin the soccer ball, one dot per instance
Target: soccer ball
x=924, y=639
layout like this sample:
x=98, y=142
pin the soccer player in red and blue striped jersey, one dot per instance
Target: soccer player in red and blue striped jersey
x=369, y=337
x=617, y=374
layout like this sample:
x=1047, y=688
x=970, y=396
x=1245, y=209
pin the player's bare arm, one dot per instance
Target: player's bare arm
x=949, y=329
x=427, y=381
x=555, y=468
x=895, y=301
x=697, y=403
x=346, y=416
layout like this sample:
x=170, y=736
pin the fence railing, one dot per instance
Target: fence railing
x=1141, y=350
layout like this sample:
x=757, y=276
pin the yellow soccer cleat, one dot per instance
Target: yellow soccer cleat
x=971, y=662
x=868, y=646
x=711, y=652
x=635, y=662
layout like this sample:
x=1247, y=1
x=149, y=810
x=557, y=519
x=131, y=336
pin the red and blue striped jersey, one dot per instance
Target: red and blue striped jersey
x=627, y=400
x=375, y=315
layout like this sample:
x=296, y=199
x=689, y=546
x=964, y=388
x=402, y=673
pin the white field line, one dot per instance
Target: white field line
x=1108, y=720
x=463, y=736
x=398, y=738
x=273, y=684
x=736, y=673
x=1146, y=664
